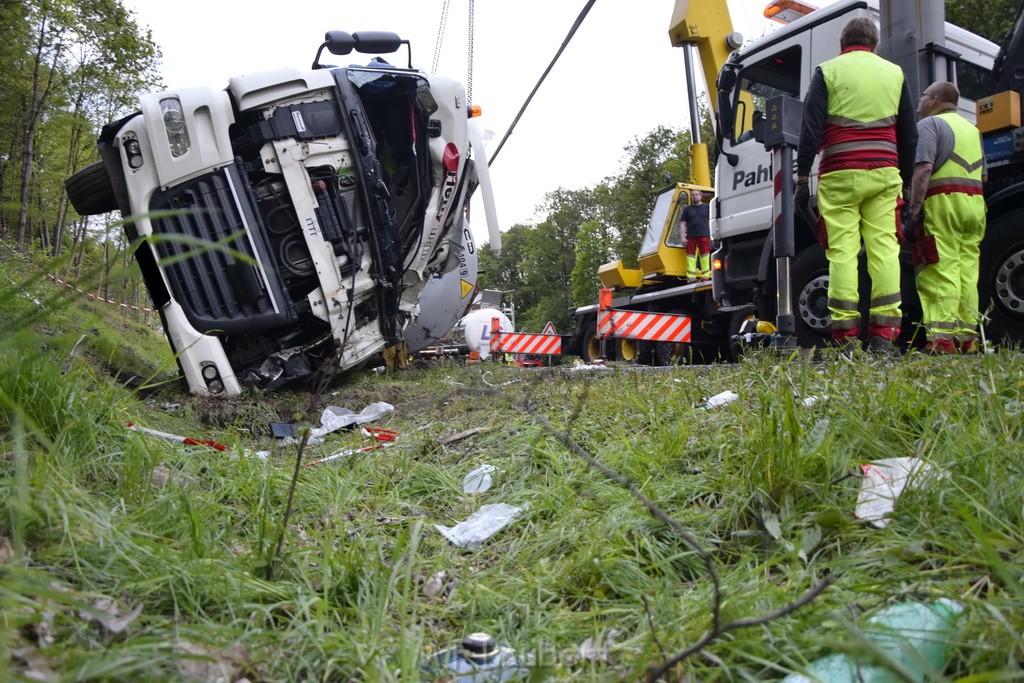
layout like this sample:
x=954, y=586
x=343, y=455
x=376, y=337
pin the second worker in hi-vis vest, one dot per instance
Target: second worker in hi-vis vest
x=859, y=115
x=948, y=184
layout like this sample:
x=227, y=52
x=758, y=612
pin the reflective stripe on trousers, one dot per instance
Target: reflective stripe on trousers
x=949, y=289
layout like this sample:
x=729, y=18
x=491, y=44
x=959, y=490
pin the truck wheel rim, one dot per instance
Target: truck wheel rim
x=812, y=304
x=1010, y=282
x=628, y=350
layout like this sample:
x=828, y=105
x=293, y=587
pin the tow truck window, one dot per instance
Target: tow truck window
x=656, y=226
x=758, y=83
x=973, y=81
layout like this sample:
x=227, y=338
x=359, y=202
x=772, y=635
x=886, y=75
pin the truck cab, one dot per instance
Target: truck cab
x=298, y=219
x=662, y=255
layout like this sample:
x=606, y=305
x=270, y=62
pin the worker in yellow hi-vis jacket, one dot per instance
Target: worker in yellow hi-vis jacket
x=948, y=184
x=858, y=113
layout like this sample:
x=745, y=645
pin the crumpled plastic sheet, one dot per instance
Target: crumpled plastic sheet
x=586, y=366
x=335, y=418
x=884, y=481
x=480, y=526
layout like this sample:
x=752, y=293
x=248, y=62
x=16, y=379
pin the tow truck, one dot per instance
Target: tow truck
x=742, y=79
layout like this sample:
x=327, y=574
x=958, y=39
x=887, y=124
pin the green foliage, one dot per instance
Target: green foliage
x=69, y=67
x=593, y=249
x=992, y=19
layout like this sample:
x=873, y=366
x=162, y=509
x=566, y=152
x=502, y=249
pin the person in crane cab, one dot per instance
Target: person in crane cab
x=859, y=116
x=695, y=226
x=948, y=186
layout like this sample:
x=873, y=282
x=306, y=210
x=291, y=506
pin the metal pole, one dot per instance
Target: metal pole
x=785, y=246
x=691, y=92
x=913, y=36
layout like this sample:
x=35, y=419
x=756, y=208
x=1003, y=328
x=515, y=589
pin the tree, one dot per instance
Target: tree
x=992, y=19
x=593, y=249
x=70, y=65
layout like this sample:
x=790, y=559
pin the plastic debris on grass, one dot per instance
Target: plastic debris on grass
x=382, y=437
x=335, y=418
x=599, y=649
x=724, y=398
x=480, y=526
x=884, y=481
x=479, y=480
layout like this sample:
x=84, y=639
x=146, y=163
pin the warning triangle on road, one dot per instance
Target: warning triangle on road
x=549, y=328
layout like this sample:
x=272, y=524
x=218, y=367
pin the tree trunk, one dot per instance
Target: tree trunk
x=40, y=94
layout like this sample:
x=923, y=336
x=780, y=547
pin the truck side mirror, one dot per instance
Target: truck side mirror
x=758, y=125
x=339, y=42
x=376, y=41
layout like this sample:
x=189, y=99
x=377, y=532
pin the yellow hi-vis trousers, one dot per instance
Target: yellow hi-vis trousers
x=855, y=204
x=698, y=258
x=949, y=288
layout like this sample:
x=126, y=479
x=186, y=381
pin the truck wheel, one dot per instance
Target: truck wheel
x=809, y=274
x=674, y=353
x=591, y=344
x=90, y=191
x=629, y=350
x=1002, y=278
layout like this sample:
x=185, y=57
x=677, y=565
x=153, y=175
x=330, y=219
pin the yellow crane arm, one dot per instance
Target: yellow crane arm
x=707, y=25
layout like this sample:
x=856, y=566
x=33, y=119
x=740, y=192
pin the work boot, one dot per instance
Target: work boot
x=881, y=346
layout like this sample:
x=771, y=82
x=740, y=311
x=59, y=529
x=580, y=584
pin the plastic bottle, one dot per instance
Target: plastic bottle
x=478, y=659
x=917, y=635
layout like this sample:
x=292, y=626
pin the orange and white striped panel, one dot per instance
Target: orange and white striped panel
x=663, y=327
x=520, y=342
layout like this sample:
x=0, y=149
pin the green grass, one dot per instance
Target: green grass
x=761, y=484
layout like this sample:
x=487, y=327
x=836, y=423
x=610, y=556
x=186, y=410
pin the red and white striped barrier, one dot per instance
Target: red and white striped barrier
x=659, y=327
x=521, y=342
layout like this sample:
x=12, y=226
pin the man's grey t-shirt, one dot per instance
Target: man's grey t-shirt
x=935, y=142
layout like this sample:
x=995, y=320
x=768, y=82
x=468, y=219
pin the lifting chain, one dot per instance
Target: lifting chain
x=440, y=35
x=469, y=57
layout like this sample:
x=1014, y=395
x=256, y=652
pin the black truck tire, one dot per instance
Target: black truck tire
x=1001, y=281
x=90, y=190
x=591, y=350
x=809, y=275
x=679, y=353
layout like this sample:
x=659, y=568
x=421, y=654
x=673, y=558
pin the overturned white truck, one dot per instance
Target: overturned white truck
x=298, y=219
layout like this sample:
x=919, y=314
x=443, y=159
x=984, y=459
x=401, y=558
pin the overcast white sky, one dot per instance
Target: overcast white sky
x=618, y=79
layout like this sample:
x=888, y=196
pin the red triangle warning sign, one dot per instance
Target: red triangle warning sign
x=549, y=328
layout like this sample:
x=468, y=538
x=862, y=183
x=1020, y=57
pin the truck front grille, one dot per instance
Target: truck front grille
x=218, y=289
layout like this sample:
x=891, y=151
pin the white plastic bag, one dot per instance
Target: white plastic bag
x=335, y=418
x=724, y=398
x=480, y=526
x=479, y=480
x=884, y=481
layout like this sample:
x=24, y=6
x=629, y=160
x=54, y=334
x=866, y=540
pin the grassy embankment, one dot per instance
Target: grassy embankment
x=125, y=557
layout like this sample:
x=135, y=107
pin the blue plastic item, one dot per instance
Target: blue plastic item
x=915, y=635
